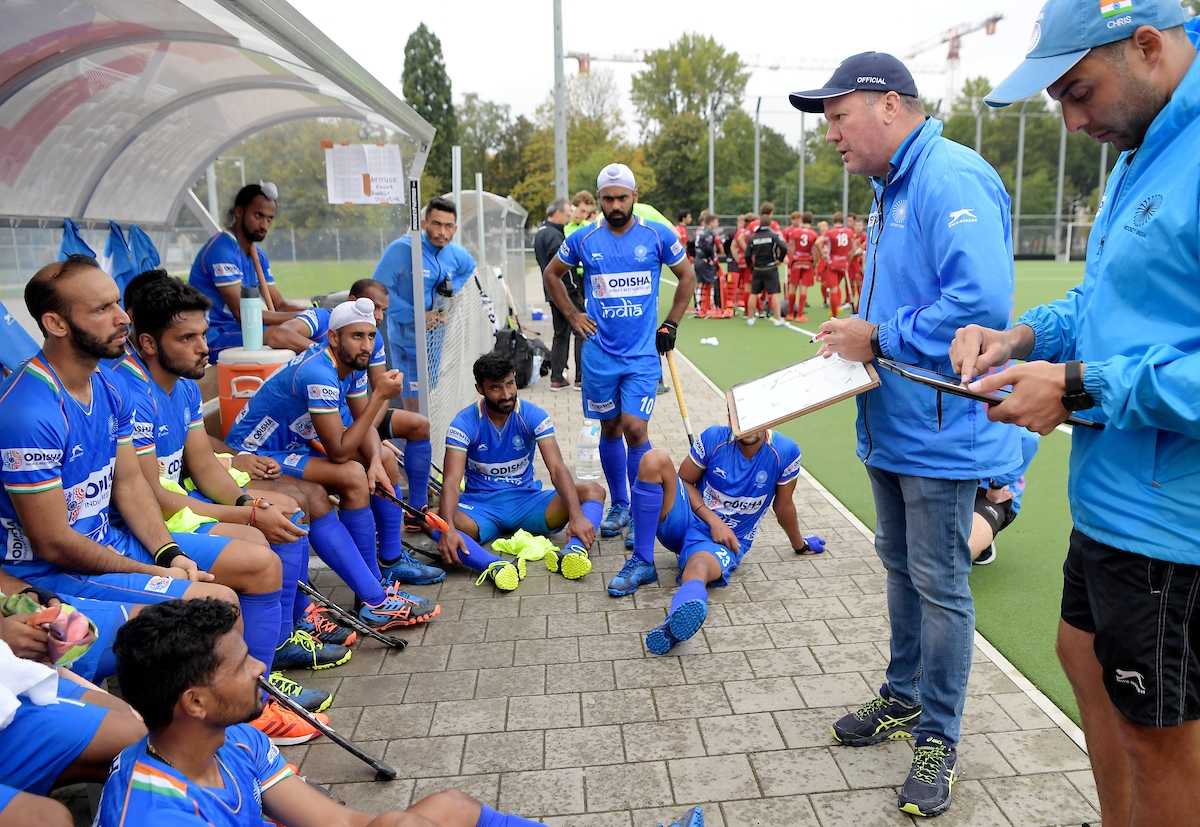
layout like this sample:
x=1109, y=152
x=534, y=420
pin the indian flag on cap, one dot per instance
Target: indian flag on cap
x=1111, y=8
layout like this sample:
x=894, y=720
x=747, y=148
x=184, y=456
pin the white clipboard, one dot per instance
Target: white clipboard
x=796, y=390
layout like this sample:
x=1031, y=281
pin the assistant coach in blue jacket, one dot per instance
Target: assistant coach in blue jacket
x=1123, y=348
x=939, y=256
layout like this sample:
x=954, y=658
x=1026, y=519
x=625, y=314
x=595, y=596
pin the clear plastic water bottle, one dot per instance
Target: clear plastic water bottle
x=587, y=451
x=251, y=309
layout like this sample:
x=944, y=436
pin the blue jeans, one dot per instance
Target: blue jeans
x=923, y=527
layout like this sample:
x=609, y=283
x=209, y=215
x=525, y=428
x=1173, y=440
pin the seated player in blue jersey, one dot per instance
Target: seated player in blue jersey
x=300, y=408
x=191, y=678
x=622, y=258
x=311, y=327
x=491, y=444
x=708, y=513
x=68, y=454
x=230, y=260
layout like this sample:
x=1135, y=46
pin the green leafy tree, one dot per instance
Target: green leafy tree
x=693, y=75
x=427, y=90
x=679, y=154
x=482, y=130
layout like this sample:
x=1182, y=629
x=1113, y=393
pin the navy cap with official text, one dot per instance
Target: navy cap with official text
x=869, y=72
x=1066, y=30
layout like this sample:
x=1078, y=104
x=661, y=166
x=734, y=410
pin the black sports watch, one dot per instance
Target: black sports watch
x=1076, y=398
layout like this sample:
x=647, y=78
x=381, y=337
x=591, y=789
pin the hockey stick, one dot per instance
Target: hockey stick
x=687, y=425
x=382, y=770
x=431, y=520
x=350, y=619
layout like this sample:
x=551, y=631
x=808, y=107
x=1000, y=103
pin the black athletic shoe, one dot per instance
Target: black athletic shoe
x=934, y=770
x=988, y=555
x=879, y=719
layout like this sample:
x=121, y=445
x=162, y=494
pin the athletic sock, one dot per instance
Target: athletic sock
x=689, y=590
x=389, y=519
x=360, y=522
x=290, y=555
x=647, y=504
x=260, y=622
x=491, y=818
x=613, y=460
x=302, y=600
x=635, y=459
x=593, y=512
x=418, y=456
x=334, y=545
x=476, y=556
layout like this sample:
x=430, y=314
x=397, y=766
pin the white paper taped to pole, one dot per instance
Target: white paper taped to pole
x=796, y=390
x=363, y=173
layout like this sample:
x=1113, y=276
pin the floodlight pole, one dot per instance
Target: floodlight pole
x=803, y=152
x=456, y=178
x=560, y=108
x=1016, y=224
x=712, y=139
x=480, y=229
x=978, y=103
x=756, y=206
x=1058, y=202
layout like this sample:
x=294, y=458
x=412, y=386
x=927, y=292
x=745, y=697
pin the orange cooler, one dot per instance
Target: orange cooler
x=240, y=373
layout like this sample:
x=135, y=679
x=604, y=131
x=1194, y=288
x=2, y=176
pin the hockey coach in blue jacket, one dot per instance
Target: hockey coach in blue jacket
x=938, y=257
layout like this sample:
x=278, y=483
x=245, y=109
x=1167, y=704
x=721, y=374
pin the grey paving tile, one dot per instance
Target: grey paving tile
x=584, y=746
x=492, y=655
x=800, y=633
x=515, y=628
x=464, y=717
x=620, y=818
x=716, y=666
x=841, y=689
x=1024, y=712
x=987, y=679
x=483, y=788
x=371, y=690
x=724, y=778
x=848, y=657
x=638, y=621
x=861, y=808
x=426, y=757
x=483, y=609
x=763, y=695
x=870, y=583
x=727, y=734
x=691, y=701
x=1040, y=750
x=646, y=672
x=658, y=741
x=409, y=720
x=1040, y=799
x=377, y=796
x=415, y=659
x=543, y=712
x=773, y=663
x=618, y=706
x=770, y=611
x=775, y=590
x=881, y=765
x=580, y=677
x=979, y=758
x=333, y=764
x=611, y=647
x=441, y=686
x=784, y=811
x=454, y=631
x=508, y=751
x=1083, y=781
x=865, y=605
x=861, y=629
x=511, y=681
x=577, y=625
x=815, y=608
x=549, y=650
x=738, y=638
x=832, y=586
x=627, y=786
x=668, y=815
x=546, y=792
x=983, y=714
x=548, y=604
x=807, y=727
x=788, y=772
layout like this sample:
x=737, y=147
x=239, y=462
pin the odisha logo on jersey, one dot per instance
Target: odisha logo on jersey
x=1146, y=210
x=261, y=431
x=30, y=459
x=457, y=435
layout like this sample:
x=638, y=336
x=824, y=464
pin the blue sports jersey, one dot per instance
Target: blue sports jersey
x=620, y=278
x=161, y=420
x=221, y=263
x=499, y=461
x=143, y=789
x=279, y=416
x=740, y=490
x=50, y=440
x=316, y=319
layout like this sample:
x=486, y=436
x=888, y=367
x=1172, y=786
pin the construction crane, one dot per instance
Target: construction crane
x=953, y=37
x=754, y=62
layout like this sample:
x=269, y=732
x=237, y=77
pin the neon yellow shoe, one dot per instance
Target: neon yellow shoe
x=504, y=574
x=571, y=561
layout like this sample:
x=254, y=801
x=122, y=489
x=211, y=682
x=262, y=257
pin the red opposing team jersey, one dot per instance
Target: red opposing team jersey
x=840, y=242
x=804, y=238
x=753, y=225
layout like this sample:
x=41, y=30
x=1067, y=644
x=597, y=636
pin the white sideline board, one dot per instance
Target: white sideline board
x=796, y=390
x=363, y=173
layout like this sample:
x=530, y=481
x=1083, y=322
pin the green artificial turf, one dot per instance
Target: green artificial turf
x=306, y=279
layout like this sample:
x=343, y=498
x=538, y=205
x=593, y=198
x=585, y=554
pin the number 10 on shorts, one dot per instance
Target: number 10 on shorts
x=647, y=406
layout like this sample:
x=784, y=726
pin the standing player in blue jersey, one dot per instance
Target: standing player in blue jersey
x=310, y=328
x=622, y=259
x=447, y=267
x=226, y=264
x=299, y=407
x=708, y=513
x=491, y=444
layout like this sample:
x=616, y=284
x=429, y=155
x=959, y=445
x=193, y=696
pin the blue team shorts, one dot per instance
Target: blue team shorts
x=42, y=741
x=682, y=532
x=290, y=462
x=404, y=358
x=99, y=662
x=628, y=385
x=499, y=515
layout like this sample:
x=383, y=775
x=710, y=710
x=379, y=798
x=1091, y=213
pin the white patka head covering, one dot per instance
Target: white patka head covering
x=615, y=175
x=360, y=310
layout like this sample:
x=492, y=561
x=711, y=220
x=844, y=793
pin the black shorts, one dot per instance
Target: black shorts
x=998, y=515
x=767, y=280
x=1144, y=615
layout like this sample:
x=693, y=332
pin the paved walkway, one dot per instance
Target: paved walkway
x=544, y=701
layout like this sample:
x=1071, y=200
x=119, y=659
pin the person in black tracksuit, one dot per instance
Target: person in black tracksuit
x=545, y=244
x=765, y=250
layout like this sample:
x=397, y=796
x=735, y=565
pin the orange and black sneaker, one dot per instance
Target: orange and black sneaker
x=318, y=623
x=284, y=727
x=398, y=609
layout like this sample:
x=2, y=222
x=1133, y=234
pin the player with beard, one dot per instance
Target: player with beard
x=225, y=265
x=314, y=418
x=708, y=513
x=622, y=259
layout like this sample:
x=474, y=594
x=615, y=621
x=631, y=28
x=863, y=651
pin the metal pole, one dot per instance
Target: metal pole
x=1103, y=172
x=978, y=125
x=560, y=108
x=293, y=245
x=1058, y=198
x=803, y=153
x=712, y=140
x=845, y=190
x=456, y=178
x=479, y=219
x=214, y=205
x=1016, y=224
x=756, y=206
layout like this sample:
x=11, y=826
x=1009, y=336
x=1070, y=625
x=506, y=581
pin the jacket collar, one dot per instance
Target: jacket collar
x=910, y=150
x=1180, y=112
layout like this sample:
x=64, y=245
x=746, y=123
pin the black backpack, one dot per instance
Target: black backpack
x=522, y=350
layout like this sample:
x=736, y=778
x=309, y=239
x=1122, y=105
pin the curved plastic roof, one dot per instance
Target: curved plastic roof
x=110, y=109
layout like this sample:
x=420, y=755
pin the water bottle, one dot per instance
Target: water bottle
x=252, y=324
x=587, y=451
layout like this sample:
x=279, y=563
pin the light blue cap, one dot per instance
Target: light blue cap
x=1066, y=30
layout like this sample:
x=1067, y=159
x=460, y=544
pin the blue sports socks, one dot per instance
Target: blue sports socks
x=389, y=519
x=614, y=461
x=260, y=621
x=334, y=545
x=491, y=818
x=647, y=504
x=635, y=459
x=689, y=590
x=475, y=557
x=291, y=556
x=418, y=456
x=594, y=512
x=302, y=600
x=360, y=522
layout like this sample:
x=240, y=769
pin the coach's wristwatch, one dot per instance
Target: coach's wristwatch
x=1076, y=398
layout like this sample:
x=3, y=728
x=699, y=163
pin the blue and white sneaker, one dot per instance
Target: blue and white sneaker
x=634, y=573
x=629, y=537
x=680, y=625
x=314, y=700
x=406, y=569
x=615, y=520
x=926, y=792
x=302, y=651
x=692, y=818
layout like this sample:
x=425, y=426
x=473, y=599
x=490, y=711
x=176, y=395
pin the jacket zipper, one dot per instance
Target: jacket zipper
x=867, y=312
x=939, y=410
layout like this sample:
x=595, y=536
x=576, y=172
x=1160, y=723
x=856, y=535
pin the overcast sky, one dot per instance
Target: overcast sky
x=504, y=51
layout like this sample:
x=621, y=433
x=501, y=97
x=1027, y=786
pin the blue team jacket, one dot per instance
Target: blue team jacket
x=939, y=256
x=1135, y=322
